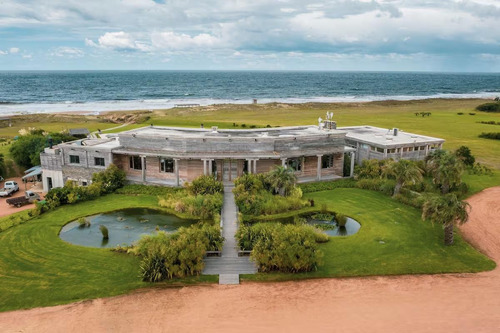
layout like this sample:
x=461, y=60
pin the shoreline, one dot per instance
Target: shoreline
x=236, y=103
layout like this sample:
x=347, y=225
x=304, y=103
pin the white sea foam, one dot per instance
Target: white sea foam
x=155, y=104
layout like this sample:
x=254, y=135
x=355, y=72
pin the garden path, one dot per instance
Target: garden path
x=229, y=265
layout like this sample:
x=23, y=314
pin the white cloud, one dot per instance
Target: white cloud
x=68, y=52
x=3, y=52
x=173, y=41
x=118, y=41
x=14, y=50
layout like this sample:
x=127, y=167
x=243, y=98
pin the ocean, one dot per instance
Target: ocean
x=95, y=91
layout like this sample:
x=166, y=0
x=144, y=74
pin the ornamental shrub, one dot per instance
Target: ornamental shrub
x=205, y=185
x=286, y=248
x=167, y=256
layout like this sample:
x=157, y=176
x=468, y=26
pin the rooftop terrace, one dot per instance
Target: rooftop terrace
x=386, y=137
x=276, y=132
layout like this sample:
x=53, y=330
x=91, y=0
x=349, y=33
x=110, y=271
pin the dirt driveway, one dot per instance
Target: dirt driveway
x=428, y=303
x=5, y=209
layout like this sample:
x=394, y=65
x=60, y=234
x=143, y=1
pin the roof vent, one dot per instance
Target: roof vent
x=396, y=130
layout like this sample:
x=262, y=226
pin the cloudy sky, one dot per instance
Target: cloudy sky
x=423, y=35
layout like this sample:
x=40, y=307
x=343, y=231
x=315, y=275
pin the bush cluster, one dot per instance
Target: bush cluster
x=177, y=255
x=205, y=185
x=256, y=195
x=202, y=198
x=328, y=185
x=285, y=248
x=490, y=135
x=103, y=182
x=489, y=107
x=491, y=122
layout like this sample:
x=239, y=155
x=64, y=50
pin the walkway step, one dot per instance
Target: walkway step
x=229, y=279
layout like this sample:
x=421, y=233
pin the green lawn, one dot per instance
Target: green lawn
x=39, y=269
x=392, y=240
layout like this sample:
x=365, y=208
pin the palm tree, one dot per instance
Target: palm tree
x=448, y=210
x=282, y=180
x=446, y=169
x=405, y=172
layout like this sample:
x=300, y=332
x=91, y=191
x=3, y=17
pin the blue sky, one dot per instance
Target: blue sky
x=417, y=35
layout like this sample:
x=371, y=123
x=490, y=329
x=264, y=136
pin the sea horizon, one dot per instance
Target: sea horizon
x=94, y=91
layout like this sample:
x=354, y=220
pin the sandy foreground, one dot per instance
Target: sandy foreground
x=430, y=303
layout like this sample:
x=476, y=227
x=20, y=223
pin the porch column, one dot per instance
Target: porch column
x=303, y=165
x=176, y=169
x=385, y=152
x=283, y=162
x=353, y=160
x=401, y=152
x=318, y=176
x=254, y=166
x=143, y=168
x=204, y=167
x=426, y=150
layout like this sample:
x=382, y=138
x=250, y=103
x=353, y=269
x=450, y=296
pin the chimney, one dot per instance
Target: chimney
x=214, y=129
x=396, y=131
x=51, y=142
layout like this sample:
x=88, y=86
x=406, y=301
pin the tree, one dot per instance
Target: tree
x=446, y=169
x=3, y=169
x=447, y=210
x=465, y=155
x=404, y=171
x=26, y=150
x=282, y=180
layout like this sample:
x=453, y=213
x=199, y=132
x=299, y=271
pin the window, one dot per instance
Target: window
x=135, y=162
x=167, y=165
x=84, y=183
x=393, y=150
x=99, y=161
x=295, y=164
x=74, y=159
x=327, y=161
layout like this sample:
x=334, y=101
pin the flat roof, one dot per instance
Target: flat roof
x=386, y=137
x=274, y=132
x=107, y=143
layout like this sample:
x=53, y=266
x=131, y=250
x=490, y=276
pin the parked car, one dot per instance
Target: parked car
x=29, y=197
x=9, y=188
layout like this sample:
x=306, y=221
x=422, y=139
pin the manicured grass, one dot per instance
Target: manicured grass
x=477, y=183
x=392, y=240
x=38, y=269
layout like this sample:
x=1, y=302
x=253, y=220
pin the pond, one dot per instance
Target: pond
x=125, y=227
x=324, y=222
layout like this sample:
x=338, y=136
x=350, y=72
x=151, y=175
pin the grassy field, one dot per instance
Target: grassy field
x=39, y=269
x=444, y=122
x=392, y=240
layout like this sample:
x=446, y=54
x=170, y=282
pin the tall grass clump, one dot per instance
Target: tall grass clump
x=104, y=232
x=177, y=255
x=285, y=248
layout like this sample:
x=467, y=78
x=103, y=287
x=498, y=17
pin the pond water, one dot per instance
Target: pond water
x=328, y=226
x=125, y=227
x=332, y=229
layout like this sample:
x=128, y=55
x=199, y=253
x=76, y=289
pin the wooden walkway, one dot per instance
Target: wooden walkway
x=228, y=265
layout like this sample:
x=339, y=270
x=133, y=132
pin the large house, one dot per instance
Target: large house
x=172, y=156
